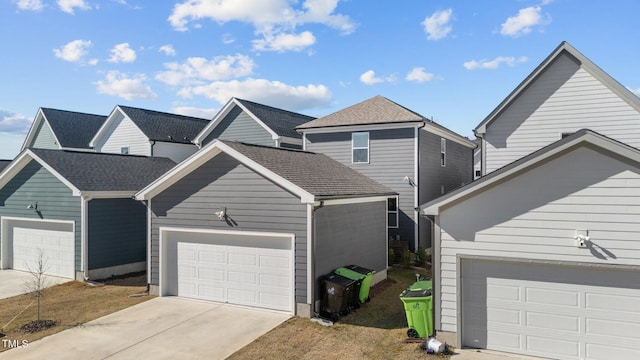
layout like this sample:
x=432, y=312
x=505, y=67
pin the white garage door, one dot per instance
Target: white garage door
x=551, y=310
x=233, y=268
x=56, y=240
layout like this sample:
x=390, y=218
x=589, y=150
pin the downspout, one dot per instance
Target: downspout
x=153, y=143
x=416, y=190
x=313, y=263
x=84, y=234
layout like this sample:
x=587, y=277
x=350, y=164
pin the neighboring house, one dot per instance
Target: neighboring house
x=136, y=131
x=257, y=226
x=62, y=130
x=510, y=272
x=565, y=93
x=399, y=148
x=250, y=122
x=77, y=207
x=477, y=159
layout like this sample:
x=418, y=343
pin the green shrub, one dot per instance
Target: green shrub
x=406, y=258
x=392, y=257
x=423, y=257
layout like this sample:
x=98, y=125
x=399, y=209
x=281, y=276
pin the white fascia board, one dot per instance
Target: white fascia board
x=274, y=136
x=109, y=194
x=103, y=129
x=22, y=160
x=365, y=127
x=354, y=200
x=214, y=122
x=449, y=135
x=289, y=140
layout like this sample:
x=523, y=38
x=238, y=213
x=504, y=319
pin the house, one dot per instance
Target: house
x=541, y=257
x=129, y=130
x=77, y=207
x=250, y=122
x=256, y=225
x=62, y=130
x=416, y=157
x=565, y=93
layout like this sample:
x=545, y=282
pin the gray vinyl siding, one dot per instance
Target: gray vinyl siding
x=55, y=201
x=391, y=158
x=253, y=203
x=117, y=230
x=239, y=126
x=458, y=170
x=565, y=98
x=535, y=216
x=291, y=146
x=350, y=234
x=44, y=138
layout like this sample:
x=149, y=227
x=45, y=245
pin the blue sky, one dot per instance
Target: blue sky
x=452, y=61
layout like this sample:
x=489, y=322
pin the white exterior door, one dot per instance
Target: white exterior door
x=233, y=268
x=54, y=239
x=564, y=312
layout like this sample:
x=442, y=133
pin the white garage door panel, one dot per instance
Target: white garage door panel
x=551, y=310
x=57, y=248
x=241, y=275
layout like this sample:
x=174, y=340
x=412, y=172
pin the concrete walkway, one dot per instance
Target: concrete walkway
x=161, y=328
x=12, y=282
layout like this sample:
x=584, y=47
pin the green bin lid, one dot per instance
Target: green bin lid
x=409, y=293
x=349, y=274
x=421, y=285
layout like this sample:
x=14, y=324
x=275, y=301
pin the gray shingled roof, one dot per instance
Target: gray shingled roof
x=160, y=126
x=282, y=122
x=89, y=171
x=73, y=129
x=318, y=174
x=377, y=110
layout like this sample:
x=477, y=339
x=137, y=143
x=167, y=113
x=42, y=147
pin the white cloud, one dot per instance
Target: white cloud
x=418, y=74
x=32, y=5
x=495, y=63
x=523, y=23
x=228, y=38
x=69, y=6
x=437, y=25
x=196, y=70
x=370, y=78
x=124, y=86
x=195, y=112
x=122, y=53
x=12, y=123
x=73, y=51
x=284, y=42
x=168, y=50
x=274, y=93
x=271, y=19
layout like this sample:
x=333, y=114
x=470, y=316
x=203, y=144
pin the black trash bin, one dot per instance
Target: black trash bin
x=337, y=295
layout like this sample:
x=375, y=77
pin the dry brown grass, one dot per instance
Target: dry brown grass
x=376, y=331
x=70, y=304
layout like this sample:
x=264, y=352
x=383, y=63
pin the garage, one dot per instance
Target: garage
x=559, y=311
x=23, y=238
x=236, y=267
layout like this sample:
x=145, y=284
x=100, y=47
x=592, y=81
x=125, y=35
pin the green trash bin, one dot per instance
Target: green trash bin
x=361, y=295
x=366, y=283
x=418, y=305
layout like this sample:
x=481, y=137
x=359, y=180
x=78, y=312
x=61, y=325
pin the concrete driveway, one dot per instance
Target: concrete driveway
x=161, y=328
x=12, y=282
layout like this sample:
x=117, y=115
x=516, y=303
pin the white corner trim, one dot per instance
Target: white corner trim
x=149, y=227
x=416, y=173
x=310, y=271
x=84, y=234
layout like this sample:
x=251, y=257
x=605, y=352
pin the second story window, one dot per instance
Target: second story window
x=360, y=147
x=124, y=150
x=443, y=152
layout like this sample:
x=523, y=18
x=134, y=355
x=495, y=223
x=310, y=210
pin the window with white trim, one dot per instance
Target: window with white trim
x=392, y=212
x=443, y=152
x=360, y=147
x=124, y=150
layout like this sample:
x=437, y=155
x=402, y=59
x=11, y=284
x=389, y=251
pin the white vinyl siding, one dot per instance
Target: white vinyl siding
x=535, y=216
x=124, y=133
x=174, y=151
x=360, y=147
x=565, y=98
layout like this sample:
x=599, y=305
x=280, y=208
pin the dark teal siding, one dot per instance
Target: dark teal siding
x=55, y=200
x=117, y=232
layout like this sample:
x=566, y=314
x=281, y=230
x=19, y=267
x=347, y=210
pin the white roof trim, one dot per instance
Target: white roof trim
x=22, y=160
x=207, y=153
x=34, y=125
x=449, y=135
x=223, y=113
x=585, y=63
x=518, y=167
x=363, y=127
x=100, y=134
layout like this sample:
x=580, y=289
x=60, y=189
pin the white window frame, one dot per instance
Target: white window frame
x=443, y=152
x=125, y=150
x=353, y=147
x=397, y=212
